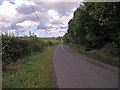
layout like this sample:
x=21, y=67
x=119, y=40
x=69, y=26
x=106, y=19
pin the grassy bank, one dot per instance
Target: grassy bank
x=100, y=55
x=30, y=72
x=15, y=48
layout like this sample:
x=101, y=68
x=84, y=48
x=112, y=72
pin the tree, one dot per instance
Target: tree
x=95, y=25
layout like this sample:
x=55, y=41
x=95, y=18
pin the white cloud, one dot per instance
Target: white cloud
x=7, y=11
x=53, y=13
x=28, y=23
x=11, y=32
x=53, y=16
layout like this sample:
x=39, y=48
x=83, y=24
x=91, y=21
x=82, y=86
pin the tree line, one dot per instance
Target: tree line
x=96, y=25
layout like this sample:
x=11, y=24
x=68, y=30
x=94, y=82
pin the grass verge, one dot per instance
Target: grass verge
x=97, y=54
x=31, y=73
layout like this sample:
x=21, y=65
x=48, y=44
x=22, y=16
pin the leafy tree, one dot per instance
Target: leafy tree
x=96, y=25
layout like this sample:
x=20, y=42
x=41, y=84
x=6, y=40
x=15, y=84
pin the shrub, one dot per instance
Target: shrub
x=111, y=48
x=14, y=48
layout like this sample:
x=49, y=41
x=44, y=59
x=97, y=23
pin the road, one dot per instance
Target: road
x=71, y=69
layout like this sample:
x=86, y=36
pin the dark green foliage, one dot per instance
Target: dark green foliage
x=111, y=49
x=96, y=26
x=14, y=48
x=51, y=43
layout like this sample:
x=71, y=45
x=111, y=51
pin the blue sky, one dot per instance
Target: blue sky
x=19, y=17
x=11, y=1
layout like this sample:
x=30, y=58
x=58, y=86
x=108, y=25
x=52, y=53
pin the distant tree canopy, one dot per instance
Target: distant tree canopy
x=95, y=25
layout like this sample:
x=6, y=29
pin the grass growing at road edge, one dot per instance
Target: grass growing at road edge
x=31, y=73
x=98, y=54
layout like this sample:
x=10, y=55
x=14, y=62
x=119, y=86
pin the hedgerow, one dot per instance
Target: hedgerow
x=14, y=48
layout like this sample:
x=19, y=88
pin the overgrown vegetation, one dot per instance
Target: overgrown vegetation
x=30, y=72
x=95, y=27
x=15, y=48
x=26, y=61
x=98, y=54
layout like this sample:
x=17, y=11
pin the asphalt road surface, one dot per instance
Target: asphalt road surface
x=75, y=70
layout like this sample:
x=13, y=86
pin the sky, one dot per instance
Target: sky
x=44, y=19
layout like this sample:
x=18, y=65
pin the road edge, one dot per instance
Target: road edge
x=53, y=74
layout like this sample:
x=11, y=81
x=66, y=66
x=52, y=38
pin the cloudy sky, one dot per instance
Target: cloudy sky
x=44, y=19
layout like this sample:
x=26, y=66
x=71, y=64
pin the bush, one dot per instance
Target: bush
x=14, y=48
x=111, y=48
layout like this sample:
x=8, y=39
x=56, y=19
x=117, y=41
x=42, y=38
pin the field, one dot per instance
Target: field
x=50, y=39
